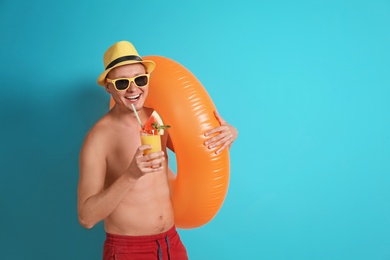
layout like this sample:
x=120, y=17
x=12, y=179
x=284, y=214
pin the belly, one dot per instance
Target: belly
x=145, y=210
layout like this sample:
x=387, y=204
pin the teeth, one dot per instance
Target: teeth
x=134, y=97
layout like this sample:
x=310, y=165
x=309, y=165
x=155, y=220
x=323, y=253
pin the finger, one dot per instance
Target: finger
x=218, y=137
x=154, y=155
x=142, y=148
x=155, y=164
x=151, y=169
x=145, y=165
x=213, y=140
x=223, y=147
x=225, y=144
x=145, y=162
x=215, y=130
x=220, y=141
x=152, y=158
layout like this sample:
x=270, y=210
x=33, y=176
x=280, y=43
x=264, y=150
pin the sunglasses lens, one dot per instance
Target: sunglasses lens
x=122, y=84
x=141, y=81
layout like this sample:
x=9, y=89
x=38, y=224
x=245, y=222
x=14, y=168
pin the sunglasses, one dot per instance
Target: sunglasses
x=122, y=84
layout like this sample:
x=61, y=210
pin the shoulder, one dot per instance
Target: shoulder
x=98, y=134
x=148, y=111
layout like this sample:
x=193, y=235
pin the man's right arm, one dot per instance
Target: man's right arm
x=94, y=202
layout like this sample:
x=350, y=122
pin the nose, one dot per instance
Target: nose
x=132, y=87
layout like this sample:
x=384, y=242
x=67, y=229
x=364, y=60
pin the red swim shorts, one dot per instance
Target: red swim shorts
x=164, y=246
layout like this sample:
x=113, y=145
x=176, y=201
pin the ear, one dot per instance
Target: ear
x=108, y=90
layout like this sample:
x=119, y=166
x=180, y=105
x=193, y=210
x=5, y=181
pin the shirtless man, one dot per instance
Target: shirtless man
x=118, y=184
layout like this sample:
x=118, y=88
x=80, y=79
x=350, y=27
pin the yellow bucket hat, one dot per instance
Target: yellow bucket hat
x=119, y=54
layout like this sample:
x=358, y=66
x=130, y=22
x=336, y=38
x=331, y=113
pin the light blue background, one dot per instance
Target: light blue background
x=305, y=82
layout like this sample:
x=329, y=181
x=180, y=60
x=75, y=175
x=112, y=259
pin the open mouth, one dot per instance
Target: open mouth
x=134, y=97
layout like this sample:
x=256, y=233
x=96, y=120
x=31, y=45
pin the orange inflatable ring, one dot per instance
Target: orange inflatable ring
x=202, y=176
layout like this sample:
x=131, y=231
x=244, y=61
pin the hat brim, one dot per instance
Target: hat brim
x=149, y=65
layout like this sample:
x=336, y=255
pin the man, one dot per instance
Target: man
x=120, y=185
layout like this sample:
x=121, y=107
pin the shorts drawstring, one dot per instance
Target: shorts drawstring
x=168, y=247
x=159, y=252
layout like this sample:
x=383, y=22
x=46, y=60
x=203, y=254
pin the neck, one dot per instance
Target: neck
x=127, y=116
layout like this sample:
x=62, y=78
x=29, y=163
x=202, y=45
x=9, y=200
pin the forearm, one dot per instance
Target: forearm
x=101, y=205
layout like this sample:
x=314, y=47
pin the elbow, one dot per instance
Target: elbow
x=86, y=225
x=85, y=222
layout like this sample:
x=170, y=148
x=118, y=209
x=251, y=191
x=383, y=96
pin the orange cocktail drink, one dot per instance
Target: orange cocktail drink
x=153, y=139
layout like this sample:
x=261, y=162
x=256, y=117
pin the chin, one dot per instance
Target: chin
x=138, y=104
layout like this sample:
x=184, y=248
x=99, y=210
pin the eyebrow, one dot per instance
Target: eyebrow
x=122, y=76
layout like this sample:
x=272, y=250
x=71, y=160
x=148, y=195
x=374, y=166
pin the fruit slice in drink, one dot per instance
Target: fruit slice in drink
x=151, y=132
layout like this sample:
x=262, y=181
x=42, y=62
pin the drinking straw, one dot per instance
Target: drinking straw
x=136, y=114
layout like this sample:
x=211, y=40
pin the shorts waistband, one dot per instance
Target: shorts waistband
x=122, y=239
